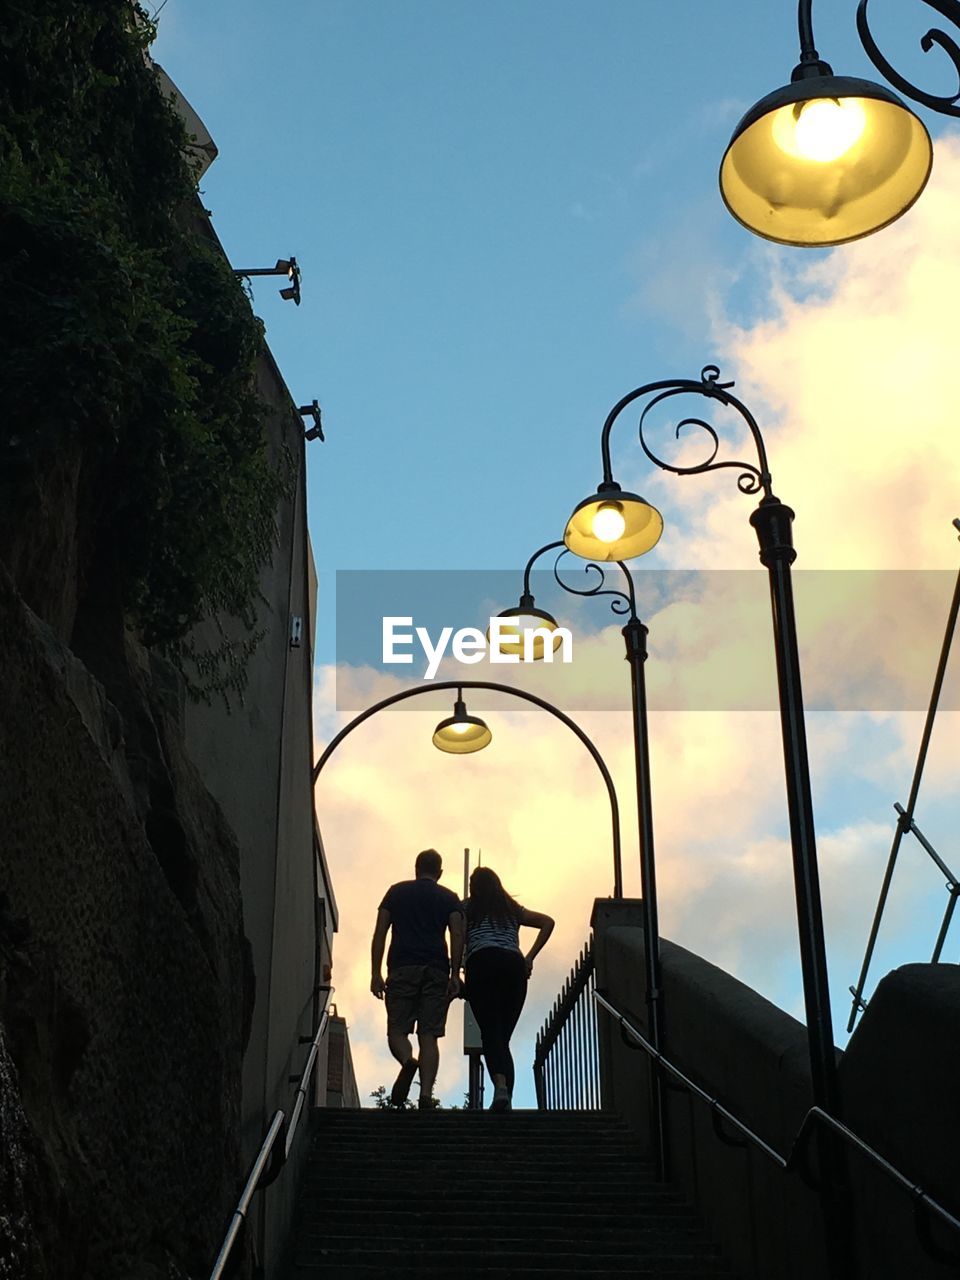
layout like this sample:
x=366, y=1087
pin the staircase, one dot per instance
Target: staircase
x=463, y=1194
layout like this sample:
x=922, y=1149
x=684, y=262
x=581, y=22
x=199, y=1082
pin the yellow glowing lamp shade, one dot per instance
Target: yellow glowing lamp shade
x=825, y=160
x=527, y=621
x=460, y=734
x=613, y=525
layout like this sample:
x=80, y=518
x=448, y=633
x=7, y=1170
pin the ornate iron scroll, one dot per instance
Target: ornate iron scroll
x=752, y=478
x=622, y=603
x=949, y=9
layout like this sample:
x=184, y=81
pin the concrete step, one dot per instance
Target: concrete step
x=490, y=1188
x=449, y=1265
x=548, y=1240
x=624, y=1269
x=573, y=1213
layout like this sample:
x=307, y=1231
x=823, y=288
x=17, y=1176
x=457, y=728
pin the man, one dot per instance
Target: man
x=421, y=978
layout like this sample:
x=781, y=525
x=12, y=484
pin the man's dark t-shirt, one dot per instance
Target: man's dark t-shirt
x=419, y=912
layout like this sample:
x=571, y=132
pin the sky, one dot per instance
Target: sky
x=507, y=217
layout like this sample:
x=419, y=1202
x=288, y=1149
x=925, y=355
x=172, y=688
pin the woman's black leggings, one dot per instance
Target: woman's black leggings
x=496, y=989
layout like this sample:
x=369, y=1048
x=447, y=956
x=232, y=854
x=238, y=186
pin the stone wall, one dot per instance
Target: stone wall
x=125, y=981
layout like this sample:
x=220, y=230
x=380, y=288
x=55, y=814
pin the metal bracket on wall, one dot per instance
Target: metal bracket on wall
x=296, y=631
x=312, y=411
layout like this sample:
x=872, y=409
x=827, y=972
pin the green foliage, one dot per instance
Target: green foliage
x=381, y=1100
x=128, y=342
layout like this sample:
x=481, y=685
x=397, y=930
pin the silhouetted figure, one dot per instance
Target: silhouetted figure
x=421, y=978
x=497, y=972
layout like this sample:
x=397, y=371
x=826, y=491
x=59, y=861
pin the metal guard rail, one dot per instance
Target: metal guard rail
x=269, y=1160
x=572, y=990
x=920, y=1198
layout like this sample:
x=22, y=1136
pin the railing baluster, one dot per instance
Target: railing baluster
x=566, y=1058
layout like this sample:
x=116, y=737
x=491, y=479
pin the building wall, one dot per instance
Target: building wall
x=255, y=753
x=753, y=1058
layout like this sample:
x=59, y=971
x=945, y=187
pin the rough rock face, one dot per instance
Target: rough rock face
x=125, y=981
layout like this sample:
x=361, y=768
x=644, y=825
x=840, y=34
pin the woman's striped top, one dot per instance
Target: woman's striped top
x=492, y=933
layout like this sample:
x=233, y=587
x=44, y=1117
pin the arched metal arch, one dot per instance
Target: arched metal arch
x=513, y=693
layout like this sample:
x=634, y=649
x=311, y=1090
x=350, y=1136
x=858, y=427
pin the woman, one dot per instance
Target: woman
x=497, y=971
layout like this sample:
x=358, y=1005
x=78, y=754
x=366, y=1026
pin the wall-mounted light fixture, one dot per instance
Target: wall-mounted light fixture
x=312, y=411
x=285, y=267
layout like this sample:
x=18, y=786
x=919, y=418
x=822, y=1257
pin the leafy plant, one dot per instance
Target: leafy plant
x=130, y=347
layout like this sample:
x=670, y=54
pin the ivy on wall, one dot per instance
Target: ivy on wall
x=124, y=330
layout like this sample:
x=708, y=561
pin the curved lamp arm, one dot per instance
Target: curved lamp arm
x=460, y=685
x=949, y=9
x=623, y=603
x=751, y=479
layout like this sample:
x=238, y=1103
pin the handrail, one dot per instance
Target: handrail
x=913, y=1189
x=905, y=821
x=243, y=1204
x=261, y=1175
x=814, y=1115
x=305, y=1078
x=714, y=1103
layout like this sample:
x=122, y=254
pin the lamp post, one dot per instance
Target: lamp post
x=827, y=159
x=528, y=617
x=772, y=522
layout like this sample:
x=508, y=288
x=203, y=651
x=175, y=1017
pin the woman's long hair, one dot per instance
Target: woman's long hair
x=489, y=900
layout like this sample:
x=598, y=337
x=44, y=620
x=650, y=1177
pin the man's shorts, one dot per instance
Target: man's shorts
x=417, y=993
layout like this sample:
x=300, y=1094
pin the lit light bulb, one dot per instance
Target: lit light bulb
x=459, y=727
x=608, y=522
x=822, y=129
x=526, y=622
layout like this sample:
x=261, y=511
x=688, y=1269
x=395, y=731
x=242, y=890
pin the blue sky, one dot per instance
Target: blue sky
x=507, y=216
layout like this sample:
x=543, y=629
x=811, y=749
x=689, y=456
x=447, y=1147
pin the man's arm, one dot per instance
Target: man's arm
x=457, y=930
x=376, y=951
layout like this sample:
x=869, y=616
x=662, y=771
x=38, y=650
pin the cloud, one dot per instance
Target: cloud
x=850, y=377
x=848, y=367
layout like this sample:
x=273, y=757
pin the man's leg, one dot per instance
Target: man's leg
x=431, y=1024
x=429, y=1062
x=400, y=1046
x=400, y=1000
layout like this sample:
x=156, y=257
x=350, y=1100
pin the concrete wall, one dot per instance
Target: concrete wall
x=256, y=754
x=751, y=1055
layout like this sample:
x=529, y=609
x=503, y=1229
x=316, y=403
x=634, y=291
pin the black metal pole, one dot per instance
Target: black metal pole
x=772, y=520
x=635, y=636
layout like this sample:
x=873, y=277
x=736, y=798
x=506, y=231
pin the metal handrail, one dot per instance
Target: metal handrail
x=266, y=1167
x=815, y=1115
x=713, y=1103
x=906, y=823
x=243, y=1204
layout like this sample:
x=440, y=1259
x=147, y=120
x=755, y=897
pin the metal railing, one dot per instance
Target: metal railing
x=794, y=1161
x=272, y=1156
x=906, y=823
x=566, y=1064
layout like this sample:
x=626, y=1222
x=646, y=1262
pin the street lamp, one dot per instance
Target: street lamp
x=461, y=734
x=827, y=159
x=637, y=524
x=772, y=522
